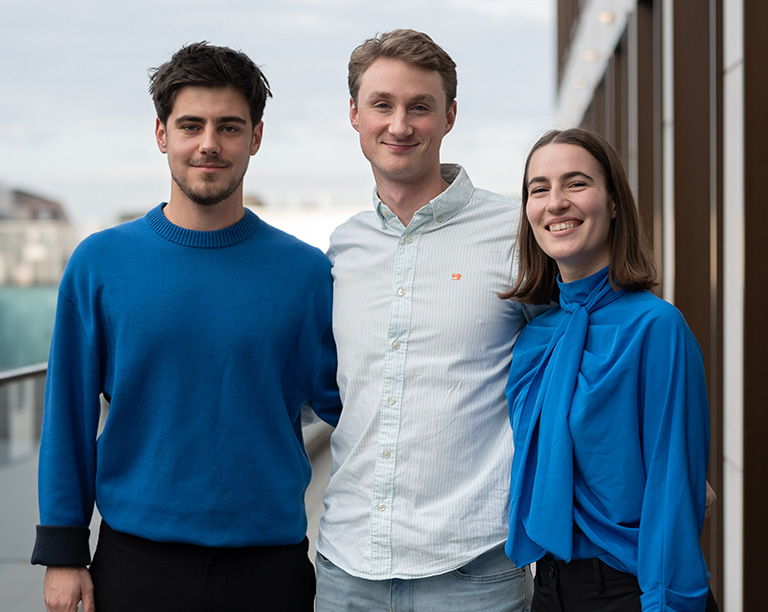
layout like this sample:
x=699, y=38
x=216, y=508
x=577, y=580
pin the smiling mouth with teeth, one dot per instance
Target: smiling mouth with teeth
x=559, y=227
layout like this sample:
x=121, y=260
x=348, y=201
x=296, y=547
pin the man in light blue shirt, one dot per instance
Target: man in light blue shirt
x=417, y=505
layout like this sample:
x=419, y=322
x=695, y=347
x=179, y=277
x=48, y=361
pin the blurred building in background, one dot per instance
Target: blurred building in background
x=679, y=88
x=36, y=239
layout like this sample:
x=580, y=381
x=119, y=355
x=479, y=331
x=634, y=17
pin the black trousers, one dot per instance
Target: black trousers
x=583, y=585
x=588, y=585
x=131, y=574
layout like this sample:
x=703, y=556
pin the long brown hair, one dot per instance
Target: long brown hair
x=631, y=265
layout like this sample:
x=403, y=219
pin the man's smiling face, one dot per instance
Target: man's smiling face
x=402, y=116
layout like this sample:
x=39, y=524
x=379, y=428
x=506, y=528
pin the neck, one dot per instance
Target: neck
x=405, y=199
x=183, y=212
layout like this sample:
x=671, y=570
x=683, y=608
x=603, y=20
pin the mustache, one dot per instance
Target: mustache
x=210, y=161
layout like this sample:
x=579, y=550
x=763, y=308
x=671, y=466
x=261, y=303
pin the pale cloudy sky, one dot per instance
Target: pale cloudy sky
x=76, y=121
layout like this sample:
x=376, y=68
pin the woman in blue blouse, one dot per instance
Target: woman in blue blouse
x=607, y=399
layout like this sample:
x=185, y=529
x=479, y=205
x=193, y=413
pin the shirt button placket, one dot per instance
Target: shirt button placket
x=384, y=470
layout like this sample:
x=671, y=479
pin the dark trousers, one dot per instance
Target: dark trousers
x=131, y=574
x=588, y=585
x=583, y=585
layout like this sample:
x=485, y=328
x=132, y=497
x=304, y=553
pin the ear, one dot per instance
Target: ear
x=613, y=209
x=450, y=117
x=353, y=114
x=258, y=134
x=161, y=136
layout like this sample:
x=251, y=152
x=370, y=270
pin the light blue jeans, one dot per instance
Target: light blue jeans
x=490, y=583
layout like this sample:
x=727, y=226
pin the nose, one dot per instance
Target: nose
x=558, y=199
x=400, y=127
x=209, y=143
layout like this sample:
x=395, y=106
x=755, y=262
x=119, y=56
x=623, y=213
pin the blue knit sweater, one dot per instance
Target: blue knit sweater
x=206, y=345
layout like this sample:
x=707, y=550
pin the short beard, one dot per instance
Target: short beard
x=207, y=198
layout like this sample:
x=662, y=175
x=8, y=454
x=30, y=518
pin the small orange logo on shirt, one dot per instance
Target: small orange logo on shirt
x=455, y=276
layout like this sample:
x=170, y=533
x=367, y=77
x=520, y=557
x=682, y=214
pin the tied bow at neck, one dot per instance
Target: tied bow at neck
x=546, y=482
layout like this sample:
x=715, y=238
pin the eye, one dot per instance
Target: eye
x=420, y=108
x=230, y=129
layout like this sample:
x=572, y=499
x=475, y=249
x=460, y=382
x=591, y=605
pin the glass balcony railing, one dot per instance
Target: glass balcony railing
x=21, y=411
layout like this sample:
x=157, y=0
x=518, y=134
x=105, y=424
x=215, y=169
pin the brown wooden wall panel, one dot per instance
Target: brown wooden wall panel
x=567, y=12
x=697, y=234
x=647, y=79
x=756, y=303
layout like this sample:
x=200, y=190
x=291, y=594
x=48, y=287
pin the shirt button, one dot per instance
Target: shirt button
x=382, y=507
x=408, y=240
x=391, y=401
x=386, y=454
x=440, y=219
x=395, y=345
x=401, y=292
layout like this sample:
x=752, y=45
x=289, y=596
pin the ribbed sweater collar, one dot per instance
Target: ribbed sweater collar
x=202, y=240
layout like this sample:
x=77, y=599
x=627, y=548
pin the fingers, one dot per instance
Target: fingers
x=710, y=500
x=65, y=587
x=88, y=602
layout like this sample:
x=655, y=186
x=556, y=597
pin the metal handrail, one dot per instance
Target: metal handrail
x=17, y=374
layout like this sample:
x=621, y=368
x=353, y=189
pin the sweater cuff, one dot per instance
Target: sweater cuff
x=62, y=546
x=665, y=599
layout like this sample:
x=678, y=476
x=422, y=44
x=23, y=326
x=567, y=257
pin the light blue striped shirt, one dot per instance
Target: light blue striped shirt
x=423, y=451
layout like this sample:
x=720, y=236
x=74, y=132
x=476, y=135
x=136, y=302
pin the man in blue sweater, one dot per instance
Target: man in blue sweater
x=207, y=331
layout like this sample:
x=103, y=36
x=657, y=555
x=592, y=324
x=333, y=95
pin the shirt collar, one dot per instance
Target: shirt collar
x=440, y=208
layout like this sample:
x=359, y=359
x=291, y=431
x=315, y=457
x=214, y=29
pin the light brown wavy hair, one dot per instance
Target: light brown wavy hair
x=410, y=46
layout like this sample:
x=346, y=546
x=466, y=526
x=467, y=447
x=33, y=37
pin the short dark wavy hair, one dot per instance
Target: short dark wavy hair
x=205, y=65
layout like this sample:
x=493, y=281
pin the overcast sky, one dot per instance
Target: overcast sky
x=76, y=121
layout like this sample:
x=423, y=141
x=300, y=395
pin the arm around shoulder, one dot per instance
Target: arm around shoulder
x=320, y=344
x=326, y=402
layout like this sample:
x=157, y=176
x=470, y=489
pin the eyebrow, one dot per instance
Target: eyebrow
x=564, y=176
x=385, y=94
x=196, y=119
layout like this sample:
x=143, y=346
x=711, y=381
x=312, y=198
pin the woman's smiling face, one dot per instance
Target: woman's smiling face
x=570, y=209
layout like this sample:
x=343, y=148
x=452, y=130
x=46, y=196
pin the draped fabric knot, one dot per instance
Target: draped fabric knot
x=542, y=472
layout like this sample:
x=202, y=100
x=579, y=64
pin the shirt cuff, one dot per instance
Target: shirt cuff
x=662, y=600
